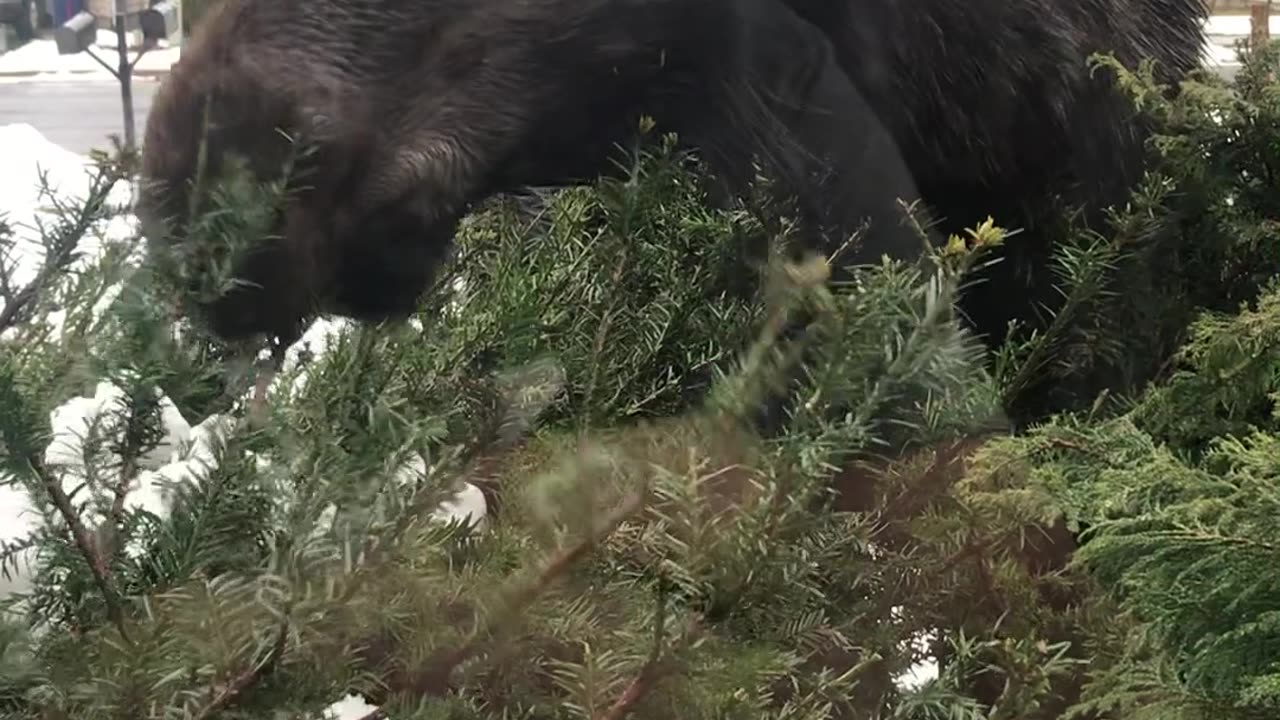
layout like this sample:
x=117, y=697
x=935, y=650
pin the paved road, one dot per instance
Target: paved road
x=77, y=115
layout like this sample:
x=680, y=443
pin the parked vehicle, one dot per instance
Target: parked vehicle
x=27, y=16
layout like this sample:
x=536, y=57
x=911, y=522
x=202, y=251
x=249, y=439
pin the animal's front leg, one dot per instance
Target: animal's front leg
x=386, y=263
x=839, y=159
x=392, y=236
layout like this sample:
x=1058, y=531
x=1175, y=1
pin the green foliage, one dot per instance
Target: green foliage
x=1198, y=232
x=299, y=565
x=634, y=284
x=592, y=358
x=1225, y=381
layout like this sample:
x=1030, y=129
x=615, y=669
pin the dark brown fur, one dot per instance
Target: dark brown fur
x=419, y=108
x=995, y=110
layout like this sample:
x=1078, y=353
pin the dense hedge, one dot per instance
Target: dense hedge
x=591, y=360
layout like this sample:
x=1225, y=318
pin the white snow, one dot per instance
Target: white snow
x=1229, y=27
x=26, y=207
x=17, y=520
x=351, y=707
x=71, y=424
x=924, y=670
x=468, y=506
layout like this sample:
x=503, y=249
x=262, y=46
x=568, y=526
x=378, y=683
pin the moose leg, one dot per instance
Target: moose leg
x=790, y=101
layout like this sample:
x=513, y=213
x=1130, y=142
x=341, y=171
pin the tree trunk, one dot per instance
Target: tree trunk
x=1259, y=23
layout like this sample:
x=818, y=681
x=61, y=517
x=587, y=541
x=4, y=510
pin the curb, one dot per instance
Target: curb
x=137, y=73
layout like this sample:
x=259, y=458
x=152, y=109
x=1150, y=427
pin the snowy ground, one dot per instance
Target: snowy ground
x=1235, y=26
x=39, y=61
x=27, y=154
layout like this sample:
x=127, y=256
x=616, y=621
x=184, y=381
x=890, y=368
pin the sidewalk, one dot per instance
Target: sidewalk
x=39, y=60
x=1226, y=29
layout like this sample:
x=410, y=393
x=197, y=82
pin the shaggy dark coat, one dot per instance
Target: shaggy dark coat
x=420, y=108
x=994, y=108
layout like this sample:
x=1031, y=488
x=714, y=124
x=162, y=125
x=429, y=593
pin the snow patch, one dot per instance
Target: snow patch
x=351, y=707
x=27, y=152
x=922, y=671
x=73, y=421
x=26, y=207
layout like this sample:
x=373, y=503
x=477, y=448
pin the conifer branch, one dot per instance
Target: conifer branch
x=61, y=251
x=80, y=534
x=562, y=561
x=267, y=371
x=128, y=471
x=240, y=683
x=433, y=679
x=970, y=549
x=654, y=670
x=602, y=331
